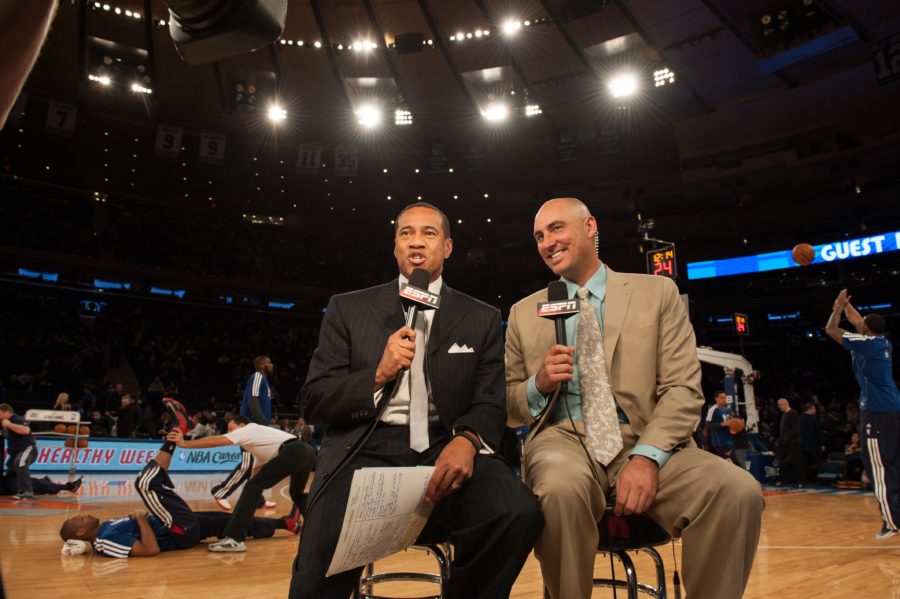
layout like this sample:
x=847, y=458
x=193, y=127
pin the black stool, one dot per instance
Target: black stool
x=440, y=551
x=638, y=533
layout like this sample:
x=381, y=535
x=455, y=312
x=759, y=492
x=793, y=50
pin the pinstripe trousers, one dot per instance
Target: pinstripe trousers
x=492, y=521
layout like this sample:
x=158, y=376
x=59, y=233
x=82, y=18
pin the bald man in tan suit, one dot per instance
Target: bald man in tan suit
x=651, y=361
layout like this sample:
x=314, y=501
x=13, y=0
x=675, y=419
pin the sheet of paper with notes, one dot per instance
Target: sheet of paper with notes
x=386, y=511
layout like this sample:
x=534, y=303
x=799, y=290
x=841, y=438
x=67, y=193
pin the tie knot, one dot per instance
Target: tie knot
x=582, y=293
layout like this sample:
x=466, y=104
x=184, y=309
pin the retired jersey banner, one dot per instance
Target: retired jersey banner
x=168, y=141
x=61, y=118
x=125, y=455
x=212, y=147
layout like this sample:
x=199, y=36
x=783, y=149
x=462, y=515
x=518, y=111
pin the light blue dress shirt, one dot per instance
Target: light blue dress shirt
x=596, y=285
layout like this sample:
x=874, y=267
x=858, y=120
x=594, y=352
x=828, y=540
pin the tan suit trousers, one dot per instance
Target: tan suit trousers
x=714, y=506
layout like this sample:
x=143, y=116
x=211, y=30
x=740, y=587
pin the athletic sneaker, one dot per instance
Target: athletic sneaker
x=27, y=496
x=228, y=545
x=182, y=422
x=885, y=533
x=223, y=503
x=74, y=485
x=292, y=521
x=270, y=505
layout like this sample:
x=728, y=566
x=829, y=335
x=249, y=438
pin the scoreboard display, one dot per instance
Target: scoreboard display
x=661, y=261
x=741, y=324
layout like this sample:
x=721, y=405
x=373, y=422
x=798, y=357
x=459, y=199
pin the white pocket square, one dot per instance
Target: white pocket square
x=460, y=349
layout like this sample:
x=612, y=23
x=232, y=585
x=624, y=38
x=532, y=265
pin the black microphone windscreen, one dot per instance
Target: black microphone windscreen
x=557, y=291
x=420, y=278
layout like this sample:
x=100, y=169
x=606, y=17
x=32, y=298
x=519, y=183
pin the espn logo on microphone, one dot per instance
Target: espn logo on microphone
x=420, y=296
x=560, y=308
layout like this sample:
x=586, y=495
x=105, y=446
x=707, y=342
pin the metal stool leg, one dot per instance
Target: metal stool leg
x=441, y=553
x=662, y=592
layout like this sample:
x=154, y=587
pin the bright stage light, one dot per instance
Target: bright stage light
x=532, y=110
x=495, y=112
x=101, y=79
x=623, y=85
x=277, y=114
x=140, y=89
x=369, y=115
x=511, y=27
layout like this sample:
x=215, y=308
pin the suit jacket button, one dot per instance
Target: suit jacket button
x=350, y=446
x=324, y=475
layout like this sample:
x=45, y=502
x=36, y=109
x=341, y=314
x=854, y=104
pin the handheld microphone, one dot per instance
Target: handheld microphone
x=415, y=296
x=558, y=308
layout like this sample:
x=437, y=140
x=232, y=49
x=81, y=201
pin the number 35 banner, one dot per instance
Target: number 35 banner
x=212, y=147
x=345, y=161
x=168, y=141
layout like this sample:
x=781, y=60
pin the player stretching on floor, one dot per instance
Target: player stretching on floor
x=171, y=525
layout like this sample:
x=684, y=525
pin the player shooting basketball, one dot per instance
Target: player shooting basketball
x=879, y=404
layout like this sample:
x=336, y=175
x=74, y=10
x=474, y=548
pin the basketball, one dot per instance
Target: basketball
x=70, y=442
x=70, y=429
x=803, y=254
x=59, y=428
x=84, y=431
x=82, y=443
x=737, y=425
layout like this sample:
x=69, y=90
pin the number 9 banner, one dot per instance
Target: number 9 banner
x=168, y=141
x=212, y=147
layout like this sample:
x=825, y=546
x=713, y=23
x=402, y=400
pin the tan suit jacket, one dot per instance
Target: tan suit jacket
x=650, y=356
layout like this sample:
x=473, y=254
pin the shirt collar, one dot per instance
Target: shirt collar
x=596, y=284
x=434, y=287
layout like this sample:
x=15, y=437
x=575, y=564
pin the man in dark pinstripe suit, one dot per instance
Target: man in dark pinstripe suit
x=480, y=505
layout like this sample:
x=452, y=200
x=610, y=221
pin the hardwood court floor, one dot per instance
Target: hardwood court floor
x=812, y=545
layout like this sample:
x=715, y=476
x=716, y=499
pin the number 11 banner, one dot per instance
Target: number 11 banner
x=309, y=156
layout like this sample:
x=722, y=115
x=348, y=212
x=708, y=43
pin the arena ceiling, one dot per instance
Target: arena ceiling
x=763, y=103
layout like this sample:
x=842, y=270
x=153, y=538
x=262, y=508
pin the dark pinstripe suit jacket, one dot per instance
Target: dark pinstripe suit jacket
x=467, y=388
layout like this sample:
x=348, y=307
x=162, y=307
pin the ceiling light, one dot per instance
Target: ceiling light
x=623, y=85
x=532, y=110
x=277, y=114
x=511, y=27
x=140, y=89
x=460, y=36
x=496, y=112
x=369, y=115
x=663, y=77
x=402, y=117
x=318, y=44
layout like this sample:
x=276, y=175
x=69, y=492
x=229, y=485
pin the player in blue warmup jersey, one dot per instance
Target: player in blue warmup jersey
x=879, y=404
x=21, y=448
x=170, y=525
x=256, y=406
x=718, y=423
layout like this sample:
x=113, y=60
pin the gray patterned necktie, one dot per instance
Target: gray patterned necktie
x=601, y=422
x=418, y=391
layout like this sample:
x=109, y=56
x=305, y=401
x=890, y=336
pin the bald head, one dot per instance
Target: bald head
x=564, y=231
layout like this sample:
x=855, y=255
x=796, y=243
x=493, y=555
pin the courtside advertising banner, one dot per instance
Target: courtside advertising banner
x=112, y=455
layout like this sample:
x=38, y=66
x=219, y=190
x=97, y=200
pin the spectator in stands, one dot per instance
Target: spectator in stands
x=812, y=441
x=88, y=401
x=62, y=402
x=126, y=417
x=790, y=444
x=201, y=428
x=854, y=458
x=99, y=425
